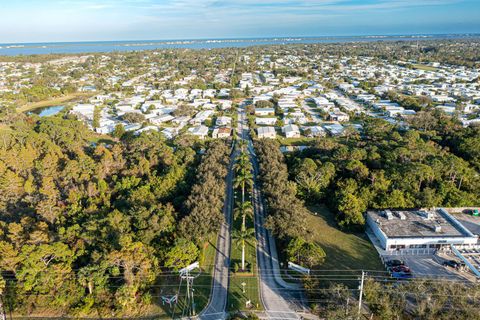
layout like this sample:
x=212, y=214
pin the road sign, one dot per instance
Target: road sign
x=298, y=268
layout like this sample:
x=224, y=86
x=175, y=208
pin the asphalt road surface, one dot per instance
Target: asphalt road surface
x=218, y=297
x=280, y=299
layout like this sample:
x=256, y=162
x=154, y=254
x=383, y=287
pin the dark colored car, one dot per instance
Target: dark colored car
x=394, y=263
x=453, y=264
x=402, y=268
x=474, y=212
x=402, y=275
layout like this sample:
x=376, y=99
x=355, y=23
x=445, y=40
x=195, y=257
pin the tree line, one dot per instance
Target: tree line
x=88, y=224
x=286, y=213
x=428, y=299
x=386, y=167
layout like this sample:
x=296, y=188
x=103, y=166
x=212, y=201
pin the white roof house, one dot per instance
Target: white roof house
x=199, y=131
x=106, y=126
x=170, y=133
x=266, y=132
x=265, y=121
x=148, y=104
x=225, y=104
x=145, y=129
x=201, y=117
x=84, y=111
x=161, y=119
x=223, y=121
x=334, y=129
x=291, y=131
x=314, y=131
x=221, y=133
x=339, y=116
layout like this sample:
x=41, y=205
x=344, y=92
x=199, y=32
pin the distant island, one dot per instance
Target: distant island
x=15, y=49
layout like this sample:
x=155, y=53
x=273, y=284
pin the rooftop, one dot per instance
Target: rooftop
x=418, y=223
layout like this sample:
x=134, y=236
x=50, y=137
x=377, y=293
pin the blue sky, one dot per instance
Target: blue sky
x=85, y=20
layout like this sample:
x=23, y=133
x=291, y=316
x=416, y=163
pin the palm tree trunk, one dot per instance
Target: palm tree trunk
x=244, y=218
x=243, y=192
x=243, y=201
x=243, y=255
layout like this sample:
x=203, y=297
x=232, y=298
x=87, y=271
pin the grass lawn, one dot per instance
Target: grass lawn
x=344, y=250
x=54, y=102
x=424, y=67
x=295, y=141
x=236, y=297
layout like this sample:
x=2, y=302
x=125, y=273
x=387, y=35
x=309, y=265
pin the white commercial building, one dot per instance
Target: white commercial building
x=418, y=229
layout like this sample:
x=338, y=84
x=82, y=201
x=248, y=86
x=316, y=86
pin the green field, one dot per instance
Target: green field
x=424, y=67
x=344, y=250
x=295, y=141
x=54, y=102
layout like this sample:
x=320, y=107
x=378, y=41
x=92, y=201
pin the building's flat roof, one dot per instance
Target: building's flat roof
x=416, y=224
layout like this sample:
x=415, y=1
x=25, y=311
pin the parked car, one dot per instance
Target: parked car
x=453, y=264
x=402, y=275
x=402, y=268
x=395, y=263
x=474, y=212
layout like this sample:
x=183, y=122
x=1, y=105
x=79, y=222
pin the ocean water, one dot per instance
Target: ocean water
x=122, y=46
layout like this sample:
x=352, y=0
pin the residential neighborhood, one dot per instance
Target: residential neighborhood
x=384, y=89
x=288, y=181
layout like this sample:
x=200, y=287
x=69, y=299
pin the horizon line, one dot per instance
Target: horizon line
x=253, y=38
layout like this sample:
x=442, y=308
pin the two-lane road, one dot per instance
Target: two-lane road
x=280, y=299
x=216, y=307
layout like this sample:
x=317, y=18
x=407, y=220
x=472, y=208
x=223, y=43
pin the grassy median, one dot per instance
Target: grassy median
x=239, y=294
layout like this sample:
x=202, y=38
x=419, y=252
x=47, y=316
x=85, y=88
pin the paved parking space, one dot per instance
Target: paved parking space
x=428, y=266
x=472, y=255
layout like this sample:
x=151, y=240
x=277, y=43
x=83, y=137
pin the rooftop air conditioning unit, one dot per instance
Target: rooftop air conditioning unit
x=388, y=214
x=401, y=215
x=437, y=228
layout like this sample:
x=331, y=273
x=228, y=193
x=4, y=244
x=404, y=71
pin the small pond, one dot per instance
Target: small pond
x=47, y=111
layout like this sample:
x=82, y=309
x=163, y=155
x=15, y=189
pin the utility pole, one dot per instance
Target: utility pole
x=190, y=300
x=189, y=309
x=360, y=295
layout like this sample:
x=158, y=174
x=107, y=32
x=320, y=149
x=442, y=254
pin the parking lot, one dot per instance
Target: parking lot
x=430, y=266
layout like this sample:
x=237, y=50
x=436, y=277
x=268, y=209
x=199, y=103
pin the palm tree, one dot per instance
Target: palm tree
x=243, y=162
x=243, y=168
x=242, y=144
x=241, y=237
x=244, y=209
x=243, y=178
